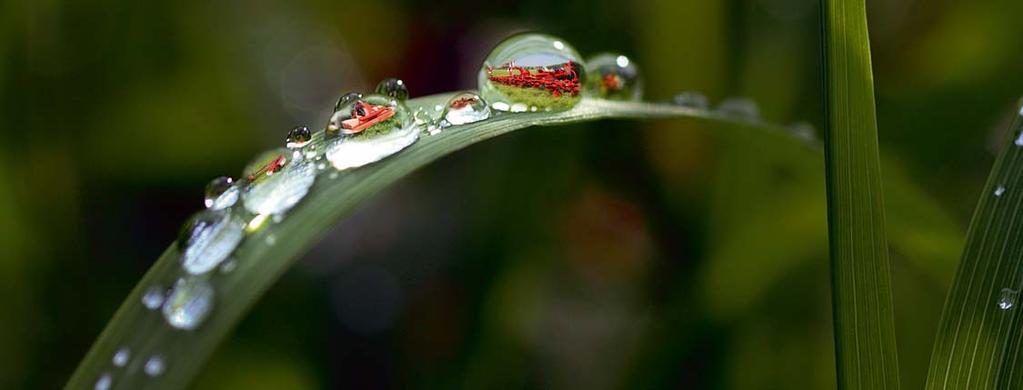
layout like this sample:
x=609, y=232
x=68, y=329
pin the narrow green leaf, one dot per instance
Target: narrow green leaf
x=860, y=269
x=260, y=263
x=980, y=338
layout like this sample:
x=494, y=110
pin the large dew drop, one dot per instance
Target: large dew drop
x=208, y=238
x=189, y=303
x=531, y=72
x=368, y=129
x=278, y=180
x=613, y=77
x=221, y=193
x=465, y=108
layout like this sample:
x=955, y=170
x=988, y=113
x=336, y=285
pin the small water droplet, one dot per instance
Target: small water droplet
x=121, y=357
x=393, y=88
x=345, y=99
x=189, y=303
x=466, y=107
x=999, y=191
x=1019, y=139
x=740, y=108
x=333, y=175
x=614, y=77
x=1007, y=299
x=280, y=192
x=271, y=239
x=277, y=218
x=153, y=298
x=104, y=382
x=531, y=70
x=298, y=137
x=803, y=131
x=691, y=99
x=220, y=193
x=321, y=166
x=207, y=239
x=369, y=130
x=154, y=366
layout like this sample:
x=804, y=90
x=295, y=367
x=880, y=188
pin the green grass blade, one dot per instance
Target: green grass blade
x=860, y=268
x=978, y=345
x=259, y=263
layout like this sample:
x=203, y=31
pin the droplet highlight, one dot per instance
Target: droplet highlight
x=367, y=130
x=121, y=357
x=393, y=88
x=189, y=303
x=613, y=77
x=152, y=299
x=1007, y=299
x=221, y=193
x=103, y=382
x=208, y=238
x=530, y=72
x=154, y=366
x=465, y=108
x=282, y=185
x=1019, y=139
x=999, y=191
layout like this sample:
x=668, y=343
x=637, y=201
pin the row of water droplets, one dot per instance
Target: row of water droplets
x=525, y=73
x=1008, y=296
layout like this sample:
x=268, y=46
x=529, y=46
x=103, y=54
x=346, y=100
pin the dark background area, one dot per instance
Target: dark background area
x=612, y=254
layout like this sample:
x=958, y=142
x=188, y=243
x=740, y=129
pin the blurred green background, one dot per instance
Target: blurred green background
x=656, y=254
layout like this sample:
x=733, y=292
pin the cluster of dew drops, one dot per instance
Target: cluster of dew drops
x=1008, y=296
x=525, y=73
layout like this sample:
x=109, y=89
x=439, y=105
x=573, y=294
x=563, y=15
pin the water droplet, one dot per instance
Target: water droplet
x=121, y=357
x=531, y=70
x=104, y=381
x=1019, y=139
x=613, y=77
x=345, y=99
x=803, y=131
x=189, y=303
x=153, y=298
x=207, y=239
x=691, y=99
x=298, y=137
x=740, y=108
x=282, y=190
x=466, y=107
x=220, y=193
x=999, y=191
x=154, y=366
x=393, y=88
x=369, y=130
x=271, y=239
x=1008, y=299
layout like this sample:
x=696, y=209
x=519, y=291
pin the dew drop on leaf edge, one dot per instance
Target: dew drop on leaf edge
x=465, y=108
x=189, y=303
x=368, y=130
x=154, y=365
x=613, y=76
x=532, y=72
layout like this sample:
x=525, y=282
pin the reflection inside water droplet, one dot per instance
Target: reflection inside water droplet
x=464, y=108
x=208, y=238
x=393, y=88
x=532, y=70
x=121, y=357
x=369, y=130
x=1007, y=299
x=153, y=297
x=154, y=366
x=614, y=77
x=189, y=303
x=279, y=192
x=298, y=137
